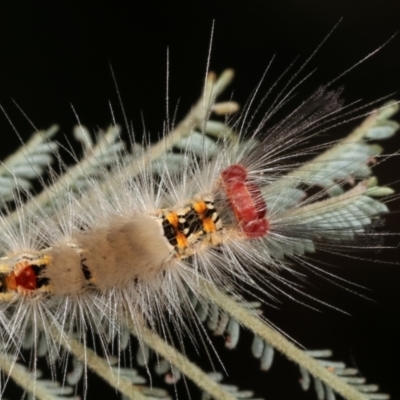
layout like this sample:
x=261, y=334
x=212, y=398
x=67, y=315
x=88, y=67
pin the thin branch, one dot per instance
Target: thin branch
x=98, y=365
x=280, y=343
x=178, y=360
x=23, y=378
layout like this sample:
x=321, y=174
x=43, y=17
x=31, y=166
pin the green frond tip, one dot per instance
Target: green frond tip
x=27, y=163
x=373, y=190
x=349, y=159
x=388, y=110
x=383, y=130
x=232, y=389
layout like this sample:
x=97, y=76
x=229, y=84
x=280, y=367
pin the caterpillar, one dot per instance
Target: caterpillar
x=139, y=241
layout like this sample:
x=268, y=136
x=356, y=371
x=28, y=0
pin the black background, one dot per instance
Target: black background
x=58, y=53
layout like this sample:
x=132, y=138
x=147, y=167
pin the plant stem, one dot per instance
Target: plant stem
x=98, y=365
x=178, y=360
x=280, y=343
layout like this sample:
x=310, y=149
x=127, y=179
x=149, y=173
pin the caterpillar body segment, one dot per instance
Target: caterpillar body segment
x=138, y=246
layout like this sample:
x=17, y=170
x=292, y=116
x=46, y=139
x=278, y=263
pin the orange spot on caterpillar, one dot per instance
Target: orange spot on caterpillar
x=200, y=207
x=173, y=219
x=208, y=224
x=182, y=240
x=10, y=282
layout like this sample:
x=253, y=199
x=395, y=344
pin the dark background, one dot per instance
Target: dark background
x=54, y=54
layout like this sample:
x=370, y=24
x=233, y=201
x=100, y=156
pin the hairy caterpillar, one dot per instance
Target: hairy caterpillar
x=129, y=246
